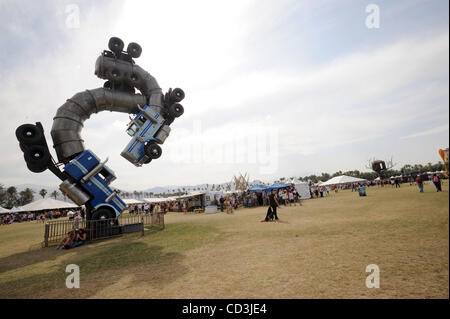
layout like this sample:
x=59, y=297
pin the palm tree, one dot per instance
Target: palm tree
x=54, y=194
x=26, y=196
x=43, y=192
x=11, y=197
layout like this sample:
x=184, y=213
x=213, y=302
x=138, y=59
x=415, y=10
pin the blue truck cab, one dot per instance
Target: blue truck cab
x=147, y=130
x=89, y=184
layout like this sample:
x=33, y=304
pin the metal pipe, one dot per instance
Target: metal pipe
x=94, y=171
x=69, y=118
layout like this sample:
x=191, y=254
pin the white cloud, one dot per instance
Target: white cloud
x=434, y=130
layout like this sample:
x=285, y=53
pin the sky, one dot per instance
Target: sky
x=273, y=88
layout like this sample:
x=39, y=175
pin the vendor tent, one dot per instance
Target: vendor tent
x=343, y=179
x=257, y=188
x=4, y=210
x=277, y=186
x=196, y=199
x=45, y=204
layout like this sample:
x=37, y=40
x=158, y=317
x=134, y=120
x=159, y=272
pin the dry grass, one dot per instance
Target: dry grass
x=319, y=250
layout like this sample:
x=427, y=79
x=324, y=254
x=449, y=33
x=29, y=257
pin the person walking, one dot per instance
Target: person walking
x=272, y=210
x=419, y=182
x=437, y=183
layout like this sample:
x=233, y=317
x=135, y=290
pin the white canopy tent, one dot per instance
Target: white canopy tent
x=132, y=201
x=303, y=190
x=4, y=210
x=159, y=200
x=45, y=204
x=343, y=179
x=191, y=194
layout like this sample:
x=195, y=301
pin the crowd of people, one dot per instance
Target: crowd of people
x=147, y=208
x=39, y=217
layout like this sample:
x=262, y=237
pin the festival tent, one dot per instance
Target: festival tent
x=277, y=186
x=197, y=199
x=257, y=188
x=45, y=204
x=343, y=179
x=4, y=210
x=132, y=201
x=159, y=199
x=303, y=190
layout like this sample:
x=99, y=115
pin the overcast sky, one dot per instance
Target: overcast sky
x=273, y=88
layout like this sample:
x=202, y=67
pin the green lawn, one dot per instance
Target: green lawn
x=318, y=250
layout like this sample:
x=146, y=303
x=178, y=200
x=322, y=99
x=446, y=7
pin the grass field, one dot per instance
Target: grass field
x=318, y=250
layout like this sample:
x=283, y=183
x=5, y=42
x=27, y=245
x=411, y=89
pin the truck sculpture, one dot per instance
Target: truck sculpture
x=85, y=179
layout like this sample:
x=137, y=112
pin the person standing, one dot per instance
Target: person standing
x=419, y=182
x=397, y=183
x=291, y=197
x=76, y=221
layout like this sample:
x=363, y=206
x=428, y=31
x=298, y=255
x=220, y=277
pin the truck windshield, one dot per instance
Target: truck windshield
x=132, y=129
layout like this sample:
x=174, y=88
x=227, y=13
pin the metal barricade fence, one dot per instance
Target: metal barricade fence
x=101, y=229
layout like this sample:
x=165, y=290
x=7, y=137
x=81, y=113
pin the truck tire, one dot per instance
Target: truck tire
x=37, y=157
x=115, y=45
x=153, y=150
x=36, y=169
x=134, y=50
x=176, y=110
x=107, y=85
x=102, y=213
x=177, y=95
x=115, y=74
x=29, y=134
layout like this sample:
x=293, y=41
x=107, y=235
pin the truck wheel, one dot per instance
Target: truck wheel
x=115, y=74
x=147, y=161
x=134, y=50
x=102, y=213
x=107, y=85
x=177, y=95
x=176, y=110
x=36, y=169
x=37, y=156
x=28, y=134
x=115, y=45
x=153, y=150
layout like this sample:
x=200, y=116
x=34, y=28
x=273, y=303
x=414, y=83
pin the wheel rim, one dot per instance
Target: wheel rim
x=155, y=151
x=37, y=155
